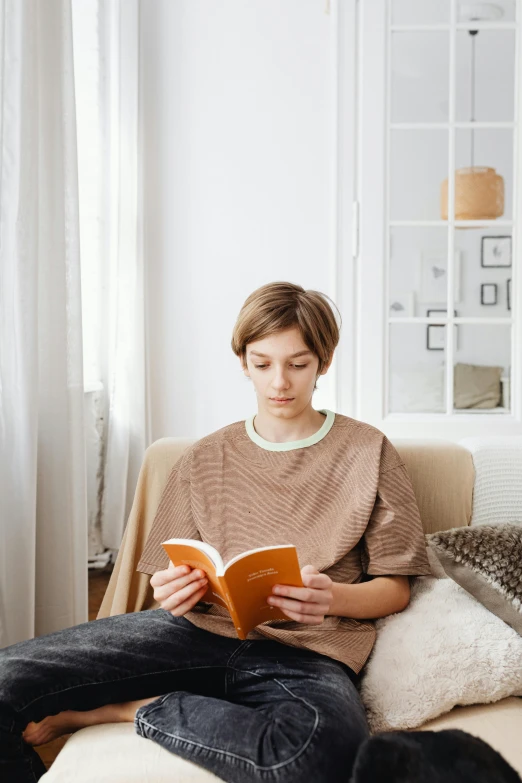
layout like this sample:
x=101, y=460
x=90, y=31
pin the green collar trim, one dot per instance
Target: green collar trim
x=294, y=444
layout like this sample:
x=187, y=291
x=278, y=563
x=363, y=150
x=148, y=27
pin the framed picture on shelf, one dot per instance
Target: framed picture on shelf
x=436, y=333
x=434, y=277
x=488, y=294
x=508, y=291
x=495, y=252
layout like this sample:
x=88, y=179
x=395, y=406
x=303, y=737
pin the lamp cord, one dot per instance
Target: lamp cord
x=473, y=33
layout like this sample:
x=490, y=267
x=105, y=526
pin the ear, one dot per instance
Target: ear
x=244, y=367
x=327, y=367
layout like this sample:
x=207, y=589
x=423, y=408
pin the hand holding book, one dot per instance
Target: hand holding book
x=308, y=604
x=243, y=585
x=178, y=589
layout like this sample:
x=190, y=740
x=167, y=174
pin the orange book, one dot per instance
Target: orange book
x=245, y=582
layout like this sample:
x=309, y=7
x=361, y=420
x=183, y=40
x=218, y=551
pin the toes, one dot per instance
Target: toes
x=35, y=734
x=39, y=739
x=30, y=737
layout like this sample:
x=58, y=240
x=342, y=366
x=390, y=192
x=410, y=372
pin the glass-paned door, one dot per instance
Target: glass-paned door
x=447, y=225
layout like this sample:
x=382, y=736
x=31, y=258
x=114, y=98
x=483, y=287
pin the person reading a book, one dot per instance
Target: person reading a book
x=281, y=705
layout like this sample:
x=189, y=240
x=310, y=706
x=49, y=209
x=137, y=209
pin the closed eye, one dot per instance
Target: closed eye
x=296, y=366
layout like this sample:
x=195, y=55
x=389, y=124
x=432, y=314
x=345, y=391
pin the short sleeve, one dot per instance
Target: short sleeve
x=173, y=519
x=394, y=541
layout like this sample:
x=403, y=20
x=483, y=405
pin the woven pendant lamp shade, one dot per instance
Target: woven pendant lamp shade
x=479, y=194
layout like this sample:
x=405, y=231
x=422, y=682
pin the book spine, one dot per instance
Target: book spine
x=231, y=608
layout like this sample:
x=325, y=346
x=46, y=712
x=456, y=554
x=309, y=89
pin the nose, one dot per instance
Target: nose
x=280, y=381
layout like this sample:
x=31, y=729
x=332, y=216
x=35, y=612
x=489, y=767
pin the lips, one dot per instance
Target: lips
x=281, y=399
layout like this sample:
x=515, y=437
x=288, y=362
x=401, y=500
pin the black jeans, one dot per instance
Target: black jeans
x=246, y=710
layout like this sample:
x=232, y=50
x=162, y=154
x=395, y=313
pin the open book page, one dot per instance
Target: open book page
x=253, y=551
x=249, y=580
x=206, y=549
x=198, y=554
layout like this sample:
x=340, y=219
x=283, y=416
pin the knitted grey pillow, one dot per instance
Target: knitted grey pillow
x=485, y=560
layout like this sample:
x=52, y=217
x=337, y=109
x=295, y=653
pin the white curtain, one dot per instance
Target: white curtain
x=106, y=47
x=43, y=535
x=124, y=358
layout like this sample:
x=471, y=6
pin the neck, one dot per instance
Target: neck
x=279, y=429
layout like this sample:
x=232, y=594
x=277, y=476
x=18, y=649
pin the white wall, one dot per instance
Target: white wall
x=236, y=117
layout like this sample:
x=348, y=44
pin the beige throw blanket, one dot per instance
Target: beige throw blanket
x=128, y=590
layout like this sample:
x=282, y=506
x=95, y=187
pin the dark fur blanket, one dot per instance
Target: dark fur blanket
x=449, y=756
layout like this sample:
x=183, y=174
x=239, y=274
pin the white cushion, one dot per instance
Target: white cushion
x=114, y=753
x=443, y=650
x=497, y=495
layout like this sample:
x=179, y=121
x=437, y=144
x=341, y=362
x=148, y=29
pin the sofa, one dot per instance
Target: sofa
x=443, y=478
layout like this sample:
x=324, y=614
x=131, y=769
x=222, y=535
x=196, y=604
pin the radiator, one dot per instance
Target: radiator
x=95, y=436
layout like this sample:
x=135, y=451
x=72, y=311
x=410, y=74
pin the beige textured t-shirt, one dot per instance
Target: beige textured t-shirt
x=342, y=496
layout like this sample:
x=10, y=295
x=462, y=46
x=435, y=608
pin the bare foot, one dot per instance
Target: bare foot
x=69, y=721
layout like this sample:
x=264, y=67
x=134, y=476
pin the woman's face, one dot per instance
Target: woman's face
x=282, y=367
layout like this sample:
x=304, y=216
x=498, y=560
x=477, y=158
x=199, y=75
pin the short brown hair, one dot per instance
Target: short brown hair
x=278, y=306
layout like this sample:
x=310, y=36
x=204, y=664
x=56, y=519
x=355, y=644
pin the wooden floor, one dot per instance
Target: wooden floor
x=98, y=581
